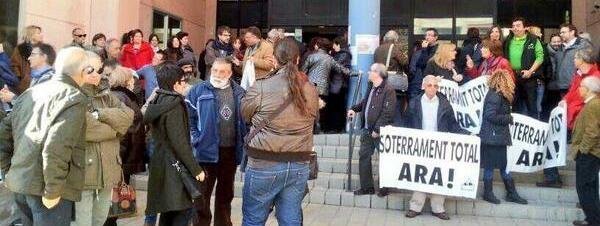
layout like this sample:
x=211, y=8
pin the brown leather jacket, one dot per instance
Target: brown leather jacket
x=289, y=136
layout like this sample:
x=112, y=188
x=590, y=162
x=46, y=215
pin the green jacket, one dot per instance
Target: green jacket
x=586, y=132
x=102, y=136
x=47, y=136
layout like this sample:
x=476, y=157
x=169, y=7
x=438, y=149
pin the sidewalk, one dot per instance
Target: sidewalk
x=328, y=215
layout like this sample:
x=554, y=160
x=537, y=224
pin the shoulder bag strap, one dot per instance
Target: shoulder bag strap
x=389, y=56
x=262, y=124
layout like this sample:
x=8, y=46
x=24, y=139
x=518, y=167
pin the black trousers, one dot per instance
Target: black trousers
x=335, y=108
x=223, y=175
x=551, y=99
x=365, y=167
x=175, y=218
x=526, y=97
x=587, y=168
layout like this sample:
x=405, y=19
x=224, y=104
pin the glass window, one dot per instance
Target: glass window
x=443, y=25
x=165, y=26
x=483, y=23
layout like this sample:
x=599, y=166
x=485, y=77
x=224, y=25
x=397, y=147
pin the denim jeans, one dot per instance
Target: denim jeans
x=281, y=185
x=488, y=174
x=35, y=212
x=540, y=97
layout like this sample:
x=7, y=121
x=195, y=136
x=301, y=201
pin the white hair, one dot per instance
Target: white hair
x=380, y=68
x=592, y=83
x=430, y=79
x=391, y=36
x=70, y=60
x=275, y=34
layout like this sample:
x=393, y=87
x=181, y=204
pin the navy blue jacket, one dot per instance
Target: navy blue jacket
x=204, y=122
x=496, y=120
x=446, y=122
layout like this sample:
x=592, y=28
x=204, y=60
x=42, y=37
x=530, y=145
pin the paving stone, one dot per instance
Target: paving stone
x=320, y=139
x=465, y=208
x=396, y=202
x=378, y=202
x=317, y=196
x=329, y=151
x=333, y=140
x=333, y=197
x=362, y=201
x=347, y=199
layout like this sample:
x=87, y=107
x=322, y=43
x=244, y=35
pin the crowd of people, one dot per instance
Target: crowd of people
x=79, y=121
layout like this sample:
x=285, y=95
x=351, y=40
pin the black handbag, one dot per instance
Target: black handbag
x=192, y=186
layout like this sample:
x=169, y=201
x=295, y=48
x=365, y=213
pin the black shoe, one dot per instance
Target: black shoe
x=488, y=193
x=581, y=223
x=442, y=215
x=511, y=193
x=549, y=184
x=361, y=191
x=383, y=192
x=412, y=214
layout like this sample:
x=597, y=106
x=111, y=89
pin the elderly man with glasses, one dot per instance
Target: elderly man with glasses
x=377, y=110
x=431, y=111
x=78, y=38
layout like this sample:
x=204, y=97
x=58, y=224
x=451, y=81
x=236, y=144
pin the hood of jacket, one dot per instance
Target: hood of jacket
x=164, y=102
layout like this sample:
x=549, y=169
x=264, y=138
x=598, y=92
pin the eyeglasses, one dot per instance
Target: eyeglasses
x=81, y=36
x=432, y=85
x=36, y=53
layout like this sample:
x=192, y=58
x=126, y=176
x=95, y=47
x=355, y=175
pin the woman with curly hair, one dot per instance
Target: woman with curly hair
x=496, y=135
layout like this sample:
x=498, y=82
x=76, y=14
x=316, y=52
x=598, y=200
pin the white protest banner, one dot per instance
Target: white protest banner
x=537, y=145
x=431, y=162
x=466, y=100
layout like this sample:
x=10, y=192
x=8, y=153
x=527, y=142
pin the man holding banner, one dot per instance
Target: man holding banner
x=431, y=111
x=378, y=108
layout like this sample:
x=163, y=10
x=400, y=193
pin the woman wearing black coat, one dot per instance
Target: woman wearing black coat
x=495, y=135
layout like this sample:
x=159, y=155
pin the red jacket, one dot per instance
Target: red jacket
x=494, y=63
x=573, y=99
x=136, y=58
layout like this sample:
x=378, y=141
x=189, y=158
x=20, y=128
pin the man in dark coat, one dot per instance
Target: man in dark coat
x=42, y=143
x=378, y=107
x=218, y=134
x=168, y=119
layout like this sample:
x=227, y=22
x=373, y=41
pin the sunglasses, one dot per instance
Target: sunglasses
x=81, y=36
x=89, y=70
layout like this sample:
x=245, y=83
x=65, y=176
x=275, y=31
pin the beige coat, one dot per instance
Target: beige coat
x=262, y=58
x=103, y=163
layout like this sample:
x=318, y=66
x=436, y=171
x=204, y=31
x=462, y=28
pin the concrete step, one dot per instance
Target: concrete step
x=554, y=196
x=454, y=206
x=399, y=200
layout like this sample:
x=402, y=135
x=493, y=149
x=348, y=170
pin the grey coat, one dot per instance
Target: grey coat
x=318, y=67
x=563, y=64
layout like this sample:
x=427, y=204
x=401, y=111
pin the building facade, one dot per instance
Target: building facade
x=111, y=17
